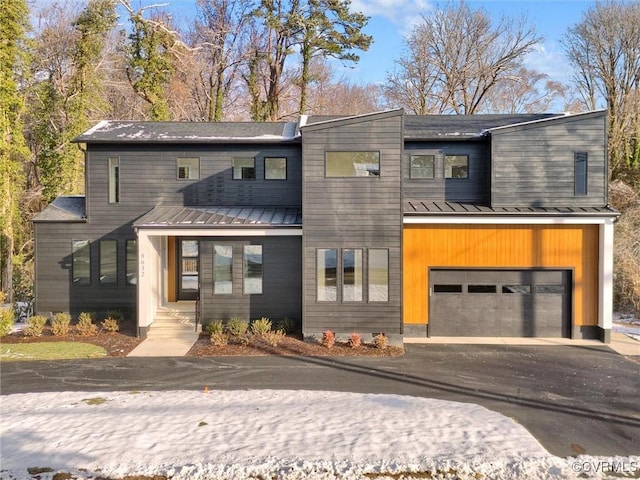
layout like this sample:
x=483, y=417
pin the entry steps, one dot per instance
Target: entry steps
x=174, y=321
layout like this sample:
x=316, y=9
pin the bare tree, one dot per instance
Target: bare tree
x=455, y=58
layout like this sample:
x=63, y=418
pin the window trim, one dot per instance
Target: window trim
x=187, y=179
x=286, y=169
x=101, y=252
x=433, y=165
x=233, y=169
x=113, y=193
x=326, y=163
x=245, y=269
x=444, y=165
x=581, y=180
x=74, y=257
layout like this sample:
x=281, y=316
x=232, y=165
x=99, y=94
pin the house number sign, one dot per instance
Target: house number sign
x=142, y=265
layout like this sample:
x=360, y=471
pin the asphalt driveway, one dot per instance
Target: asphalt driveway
x=573, y=399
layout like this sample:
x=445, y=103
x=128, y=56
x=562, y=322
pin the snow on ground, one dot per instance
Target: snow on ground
x=627, y=324
x=211, y=434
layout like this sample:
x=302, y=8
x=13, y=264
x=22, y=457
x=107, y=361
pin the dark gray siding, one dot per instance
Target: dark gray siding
x=476, y=188
x=361, y=212
x=533, y=165
x=55, y=291
x=282, y=280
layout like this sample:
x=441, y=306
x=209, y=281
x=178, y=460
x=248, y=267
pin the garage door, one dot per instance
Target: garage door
x=500, y=303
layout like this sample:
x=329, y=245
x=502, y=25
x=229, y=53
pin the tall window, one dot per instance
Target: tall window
x=223, y=269
x=352, y=275
x=275, y=168
x=422, y=166
x=108, y=262
x=81, y=262
x=580, y=172
x=188, y=168
x=244, y=168
x=352, y=164
x=252, y=269
x=378, y=275
x=327, y=272
x=114, y=180
x=456, y=166
x=132, y=262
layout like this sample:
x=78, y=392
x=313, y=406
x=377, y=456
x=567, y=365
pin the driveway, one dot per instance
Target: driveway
x=573, y=399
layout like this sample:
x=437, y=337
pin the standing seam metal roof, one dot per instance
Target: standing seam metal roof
x=234, y=216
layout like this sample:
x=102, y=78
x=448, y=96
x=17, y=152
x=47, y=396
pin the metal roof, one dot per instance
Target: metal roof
x=205, y=217
x=108, y=131
x=429, y=208
x=64, y=209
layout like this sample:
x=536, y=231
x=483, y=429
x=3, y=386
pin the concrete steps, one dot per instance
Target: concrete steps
x=174, y=323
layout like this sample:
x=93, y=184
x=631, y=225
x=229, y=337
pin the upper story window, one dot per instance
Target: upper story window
x=422, y=166
x=352, y=164
x=114, y=180
x=244, y=168
x=188, y=168
x=275, y=168
x=580, y=172
x=456, y=166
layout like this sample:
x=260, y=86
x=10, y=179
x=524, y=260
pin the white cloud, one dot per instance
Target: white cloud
x=549, y=58
x=402, y=13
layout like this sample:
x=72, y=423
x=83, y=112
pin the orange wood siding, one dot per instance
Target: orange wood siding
x=572, y=247
x=171, y=268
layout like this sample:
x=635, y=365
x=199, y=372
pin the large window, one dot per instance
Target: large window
x=114, y=180
x=352, y=164
x=352, y=275
x=132, y=262
x=378, y=275
x=456, y=166
x=222, y=269
x=275, y=168
x=81, y=262
x=244, y=168
x=580, y=173
x=327, y=274
x=252, y=269
x=108, y=262
x=422, y=166
x=188, y=168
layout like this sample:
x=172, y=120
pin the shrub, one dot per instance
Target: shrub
x=116, y=315
x=6, y=321
x=35, y=326
x=261, y=326
x=216, y=326
x=626, y=281
x=287, y=325
x=328, y=339
x=85, y=324
x=381, y=341
x=219, y=339
x=274, y=337
x=60, y=324
x=3, y=297
x=355, y=340
x=110, y=325
x=237, y=326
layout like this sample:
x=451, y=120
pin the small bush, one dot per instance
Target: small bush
x=3, y=297
x=237, y=326
x=381, y=341
x=274, y=337
x=85, y=324
x=328, y=339
x=261, y=326
x=60, y=324
x=110, y=325
x=116, y=315
x=6, y=321
x=355, y=340
x=287, y=325
x=219, y=339
x=35, y=326
x=217, y=326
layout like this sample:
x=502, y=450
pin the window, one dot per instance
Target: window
x=456, y=166
x=482, y=289
x=81, y=262
x=422, y=166
x=352, y=164
x=114, y=180
x=378, y=275
x=447, y=289
x=132, y=262
x=580, y=173
x=554, y=289
x=521, y=289
x=108, y=262
x=327, y=272
x=222, y=269
x=252, y=269
x=244, y=168
x=352, y=275
x=188, y=168
x=275, y=168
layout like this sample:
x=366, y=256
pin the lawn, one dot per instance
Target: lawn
x=49, y=351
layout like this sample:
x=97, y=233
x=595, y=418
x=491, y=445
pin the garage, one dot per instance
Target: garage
x=499, y=302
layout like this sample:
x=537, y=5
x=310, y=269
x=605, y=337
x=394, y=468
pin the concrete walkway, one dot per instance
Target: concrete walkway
x=165, y=347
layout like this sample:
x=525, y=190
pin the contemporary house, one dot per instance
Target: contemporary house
x=483, y=225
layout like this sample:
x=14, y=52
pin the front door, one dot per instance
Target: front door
x=188, y=263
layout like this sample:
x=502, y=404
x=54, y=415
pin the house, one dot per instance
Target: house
x=415, y=226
